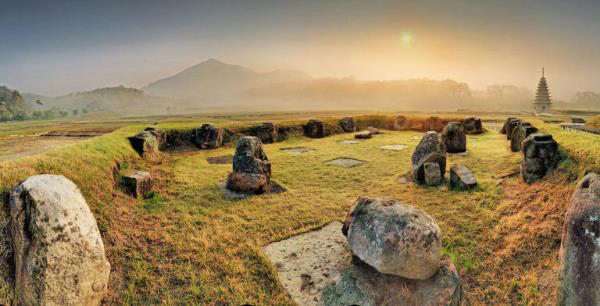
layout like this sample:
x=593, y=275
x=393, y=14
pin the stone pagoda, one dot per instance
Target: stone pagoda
x=542, y=101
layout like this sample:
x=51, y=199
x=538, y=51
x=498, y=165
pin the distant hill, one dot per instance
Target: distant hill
x=215, y=81
x=118, y=99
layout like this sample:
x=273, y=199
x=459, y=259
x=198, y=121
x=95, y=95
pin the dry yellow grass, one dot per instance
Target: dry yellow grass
x=190, y=245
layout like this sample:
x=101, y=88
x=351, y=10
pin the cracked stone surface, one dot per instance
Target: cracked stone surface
x=308, y=262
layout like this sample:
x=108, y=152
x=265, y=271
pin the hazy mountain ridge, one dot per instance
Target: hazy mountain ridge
x=217, y=81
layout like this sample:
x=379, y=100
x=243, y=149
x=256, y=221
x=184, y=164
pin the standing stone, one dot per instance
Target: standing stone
x=251, y=167
x=540, y=156
x=146, y=144
x=347, y=125
x=433, y=174
x=59, y=254
x=360, y=284
x=314, y=129
x=579, y=274
x=505, y=126
x=208, y=137
x=137, y=183
x=363, y=135
x=430, y=149
x=512, y=125
x=267, y=132
x=433, y=123
x=473, y=126
x=161, y=135
x=394, y=238
x=454, y=137
x=462, y=178
x=401, y=123
x=519, y=134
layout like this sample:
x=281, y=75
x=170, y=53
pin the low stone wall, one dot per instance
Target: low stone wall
x=183, y=139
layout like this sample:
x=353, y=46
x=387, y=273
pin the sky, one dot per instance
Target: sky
x=61, y=46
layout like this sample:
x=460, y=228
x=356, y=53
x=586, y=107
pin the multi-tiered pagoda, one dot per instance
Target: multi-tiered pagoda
x=542, y=97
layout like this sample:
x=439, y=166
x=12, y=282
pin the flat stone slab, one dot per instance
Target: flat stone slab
x=220, y=160
x=348, y=141
x=471, y=139
x=308, y=262
x=297, y=150
x=234, y=195
x=345, y=162
x=395, y=147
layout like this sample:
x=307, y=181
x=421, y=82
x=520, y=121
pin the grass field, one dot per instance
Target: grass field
x=188, y=244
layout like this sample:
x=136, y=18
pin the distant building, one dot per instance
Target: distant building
x=542, y=101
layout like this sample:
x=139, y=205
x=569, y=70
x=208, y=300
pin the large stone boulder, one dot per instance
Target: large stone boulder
x=394, y=238
x=161, y=135
x=58, y=252
x=540, y=156
x=473, y=126
x=454, y=137
x=145, y=144
x=314, y=129
x=519, y=134
x=462, y=178
x=512, y=125
x=360, y=284
x=505, y=126
x=251, y=167
x=433, y=123
x=401, y=123
x=430, y=149
x=347, y=124
x=208, y=137
x=579, y=274
x=267, y=132
x=136, y=183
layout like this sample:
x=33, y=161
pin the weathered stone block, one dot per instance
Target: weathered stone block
x=430, y=149
x=137, y=183
x=462, y=178
x=454, y=137
x=58, y=251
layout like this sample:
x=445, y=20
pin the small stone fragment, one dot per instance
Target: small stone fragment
x=540, y=156
x=145, y=144
x=208, y=137
x=462, y=178
x=454, y=137
x=363, y=135
x=347, y=124
x=473, y=126
x=137, y=183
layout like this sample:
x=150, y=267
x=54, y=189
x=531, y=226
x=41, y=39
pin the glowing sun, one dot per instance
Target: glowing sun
x=407, y=38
